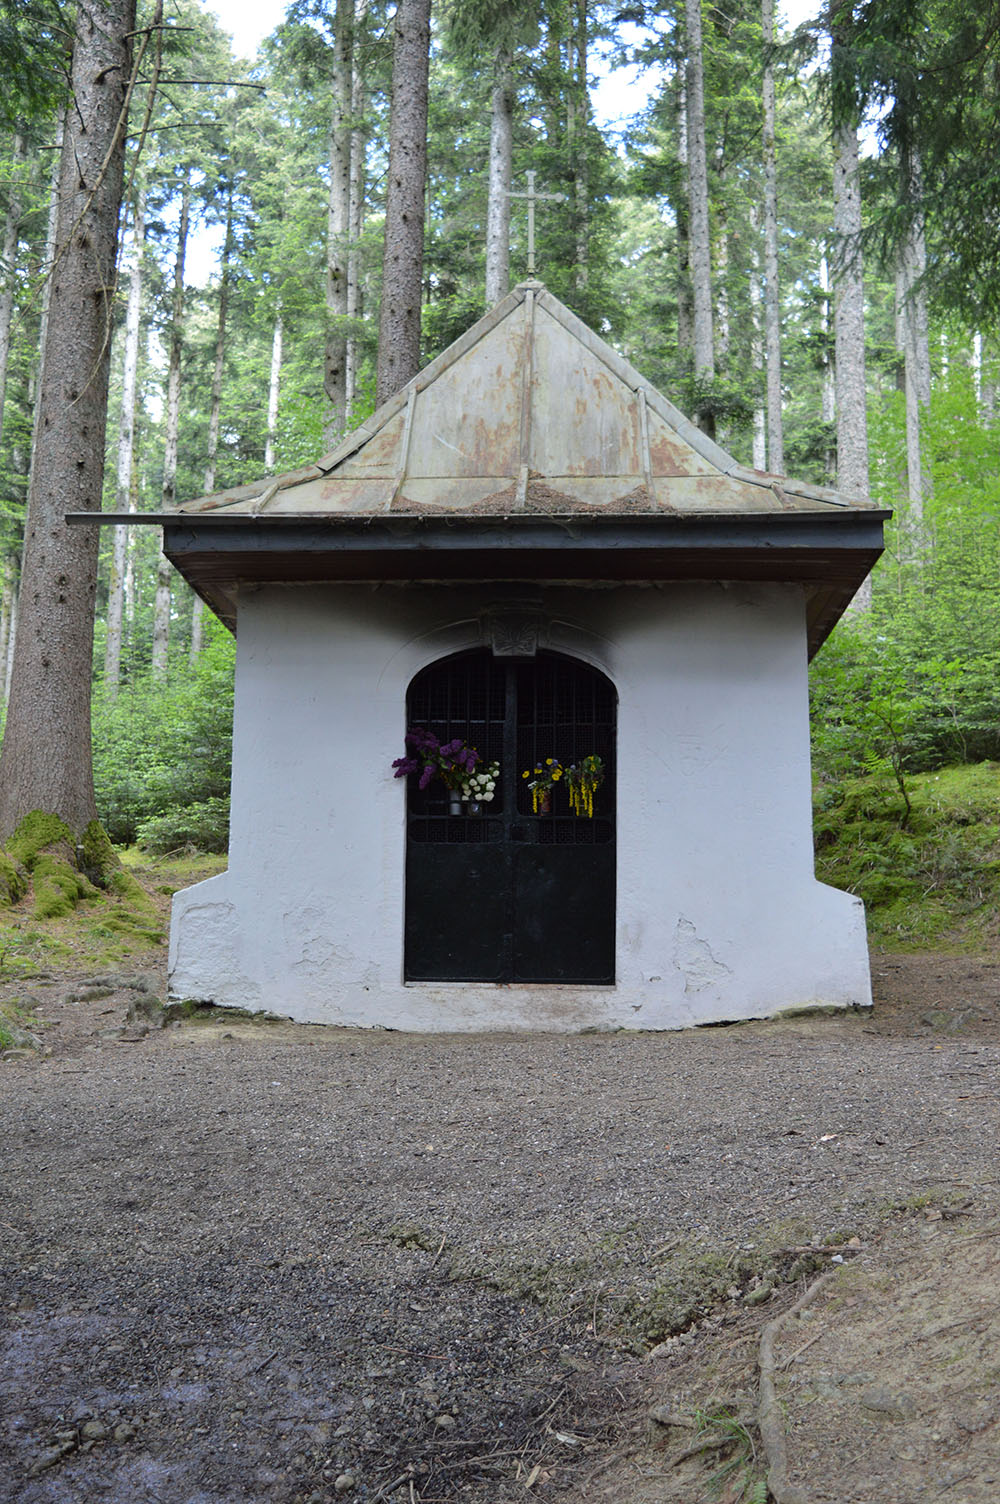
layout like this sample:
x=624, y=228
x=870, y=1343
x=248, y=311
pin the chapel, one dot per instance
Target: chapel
x=530, y=563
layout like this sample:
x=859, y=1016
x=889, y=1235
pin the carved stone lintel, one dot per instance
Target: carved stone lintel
x=513, y=633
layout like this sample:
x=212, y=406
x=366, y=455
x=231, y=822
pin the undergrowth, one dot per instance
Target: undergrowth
x=929, y=877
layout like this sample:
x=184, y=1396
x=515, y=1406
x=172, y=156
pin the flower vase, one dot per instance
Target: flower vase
x=544, y=806
x=473, y=807
x=454, y=802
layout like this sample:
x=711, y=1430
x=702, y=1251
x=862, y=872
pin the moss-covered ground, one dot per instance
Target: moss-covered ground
x=929, y=880
x=71, y=906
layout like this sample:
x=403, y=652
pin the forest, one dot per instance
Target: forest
x=793, y=236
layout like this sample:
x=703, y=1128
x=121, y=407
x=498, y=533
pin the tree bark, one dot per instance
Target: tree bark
x=357, y=209
x=757, y=347
x=501, y=160
x=700, y=241
x=828, y=397
x=273, y=391
x=6, y=610
x=215, y=405
x=126, y=440
x=849, y=327
x=46, y=761
x=916, y=365
x=338, y=224
x=7, y=665
x=772, y=308
x=685, y=301
x=580, y=117
x=402, y=260
x=161, y=608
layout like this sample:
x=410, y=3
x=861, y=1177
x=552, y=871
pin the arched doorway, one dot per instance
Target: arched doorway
x=513, y=893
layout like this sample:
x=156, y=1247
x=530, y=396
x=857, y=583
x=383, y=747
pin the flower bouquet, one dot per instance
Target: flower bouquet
x=456, y=764
x=583, y=779
x=480, y=786
x=543, y=778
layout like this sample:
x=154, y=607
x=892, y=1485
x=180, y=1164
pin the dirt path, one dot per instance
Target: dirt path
x=267, y=1262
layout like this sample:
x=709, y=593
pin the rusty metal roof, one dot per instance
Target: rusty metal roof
x=529, y=412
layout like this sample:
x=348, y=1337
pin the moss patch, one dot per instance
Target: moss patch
x=58, y=885
x=13, y=880
x=54, y=882
x=37, y=832
x=934, y=882
x=18, y=1027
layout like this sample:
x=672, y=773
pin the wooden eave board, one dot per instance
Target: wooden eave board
x=218, y=556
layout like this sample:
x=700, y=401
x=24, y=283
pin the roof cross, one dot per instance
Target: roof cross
x=533, y=196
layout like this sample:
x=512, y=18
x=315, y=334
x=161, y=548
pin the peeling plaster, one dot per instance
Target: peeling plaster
x=694, y=958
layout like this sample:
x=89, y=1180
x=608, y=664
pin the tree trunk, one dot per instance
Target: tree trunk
x=700, y=242
x=402, y=260
x=126, y=439
x=828, y=396
x=51, y=241
x=581, y=116
x=772, y=308
x=916, y=365
x=161, y=609
x=501, y=160
x=46, y=763
x=215, y=406
x=357, y=207
x=685, y=301
x=756, y=346
x=338, y=224
x=722, y=328
x=7, y=664
x=273, y=391
x=8, y=270
x=849, y=328
x=6, y=611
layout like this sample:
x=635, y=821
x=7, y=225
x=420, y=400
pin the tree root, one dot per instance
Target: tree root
x=770, y=1421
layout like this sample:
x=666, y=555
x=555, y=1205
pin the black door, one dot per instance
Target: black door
x=513, y=893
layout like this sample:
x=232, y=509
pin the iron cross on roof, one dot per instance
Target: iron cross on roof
x=532, y=196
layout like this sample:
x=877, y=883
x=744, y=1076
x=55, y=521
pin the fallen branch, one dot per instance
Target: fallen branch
x=770, y=1421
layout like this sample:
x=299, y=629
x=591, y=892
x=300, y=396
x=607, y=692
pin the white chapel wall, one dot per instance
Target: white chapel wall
x=719, y=915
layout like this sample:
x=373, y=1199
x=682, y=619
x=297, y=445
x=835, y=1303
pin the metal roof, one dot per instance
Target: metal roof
x=528, y=451
x=528, y=412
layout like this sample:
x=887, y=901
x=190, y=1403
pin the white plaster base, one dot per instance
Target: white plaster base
x=719, y=915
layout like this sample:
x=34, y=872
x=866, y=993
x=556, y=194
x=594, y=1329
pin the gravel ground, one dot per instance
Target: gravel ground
x=248, y=1261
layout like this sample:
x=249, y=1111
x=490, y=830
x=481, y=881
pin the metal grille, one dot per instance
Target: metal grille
x=509, y=894
x=517, y=714
x=467, y=698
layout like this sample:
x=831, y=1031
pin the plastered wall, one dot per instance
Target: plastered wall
x=718, y=912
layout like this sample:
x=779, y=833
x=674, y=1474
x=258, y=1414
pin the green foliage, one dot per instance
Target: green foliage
x=936, y=881
x=165, y=745
x=35, y=42
x=927, y=71
x=732, y=1436
x=203, y=827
